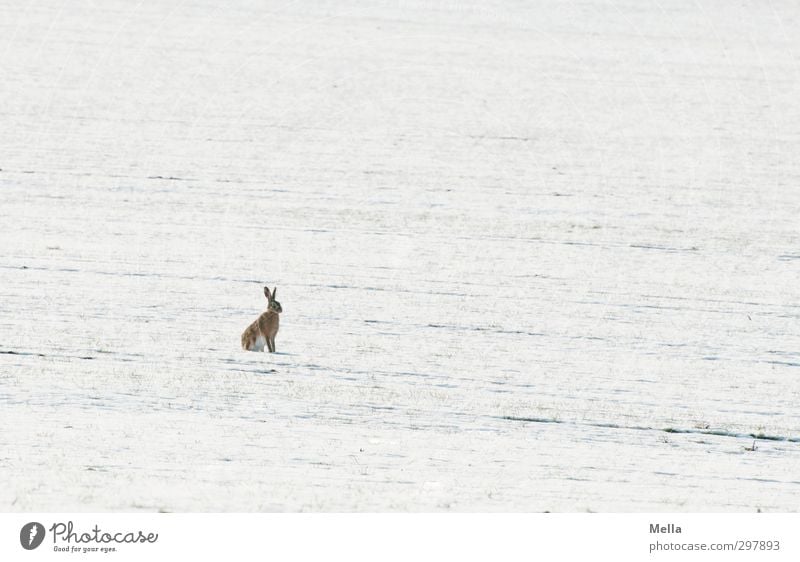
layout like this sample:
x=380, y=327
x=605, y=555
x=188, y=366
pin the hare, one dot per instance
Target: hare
x=264, y=329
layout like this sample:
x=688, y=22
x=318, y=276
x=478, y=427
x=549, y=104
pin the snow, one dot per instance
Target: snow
x=532, y=256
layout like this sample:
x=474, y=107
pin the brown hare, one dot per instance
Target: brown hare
x=263, y=330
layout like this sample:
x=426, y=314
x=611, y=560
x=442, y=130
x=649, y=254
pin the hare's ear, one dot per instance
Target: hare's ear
x=266, y=293
x=273, y=292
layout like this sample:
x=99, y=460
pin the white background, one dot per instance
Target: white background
x=404, y=537
x=533, y=256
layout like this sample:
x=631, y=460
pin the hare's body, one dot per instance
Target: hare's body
x=262, y=332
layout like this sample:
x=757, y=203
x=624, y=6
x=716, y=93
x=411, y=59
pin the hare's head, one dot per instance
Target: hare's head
x=272, y=303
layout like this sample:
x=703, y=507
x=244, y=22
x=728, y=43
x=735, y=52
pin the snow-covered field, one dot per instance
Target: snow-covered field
x=531, y=255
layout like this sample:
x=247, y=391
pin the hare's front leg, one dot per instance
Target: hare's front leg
x=272, y=345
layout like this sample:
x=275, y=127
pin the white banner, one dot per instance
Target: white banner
x=401, y=537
